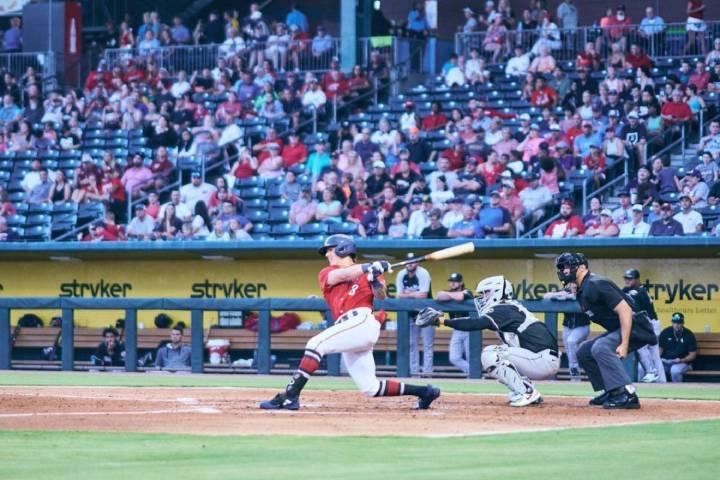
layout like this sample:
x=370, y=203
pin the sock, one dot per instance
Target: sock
x=630, y=389
x=309, y=363
x=391, y=388
x=416, y=390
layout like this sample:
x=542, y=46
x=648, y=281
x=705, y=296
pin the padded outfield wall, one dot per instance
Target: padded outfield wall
x=682, y=274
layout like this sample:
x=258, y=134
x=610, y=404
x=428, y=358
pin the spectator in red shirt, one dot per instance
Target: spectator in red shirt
x=588, y=59
x=568, y=225
x=335, y=85
x=543, y=96
x=133, y=73
x=700, y=78
x=595, y=163
x=245, y=166
x=455, y=154
x=435, y=120
x=261, y=149
x=94, y=77
x=637, y=58
x=676, y=112
x=294, y=152
x=229, y=110
x=619, y=27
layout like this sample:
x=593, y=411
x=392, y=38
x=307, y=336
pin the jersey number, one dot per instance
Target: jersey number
x=353, y=290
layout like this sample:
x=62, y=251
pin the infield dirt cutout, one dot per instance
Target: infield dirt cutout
x=234, y=411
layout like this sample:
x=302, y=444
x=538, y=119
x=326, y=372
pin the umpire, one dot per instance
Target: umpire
x=627, y=330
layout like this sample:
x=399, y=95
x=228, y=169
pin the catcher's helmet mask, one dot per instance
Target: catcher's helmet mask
x=569, y=261
x=344, y=246
x=491, y=291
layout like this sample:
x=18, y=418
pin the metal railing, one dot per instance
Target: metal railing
x=308, y=56
x=672, y=41
x=264, y=307
x=44, y=64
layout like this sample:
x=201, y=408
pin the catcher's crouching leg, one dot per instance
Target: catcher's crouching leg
x=496, y=365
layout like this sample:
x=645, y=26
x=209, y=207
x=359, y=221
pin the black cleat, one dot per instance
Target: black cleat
x=622, y=401
x=430, y=395
x=599, y=401
x=281, y=402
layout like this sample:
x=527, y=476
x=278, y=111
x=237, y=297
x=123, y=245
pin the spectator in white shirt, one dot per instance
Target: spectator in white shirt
x=535, y=197
x=636, y=228
x=518, y=65
x=419, y=218
x=690, y=219
x=142, y=226
x=196, y=190
x=314, y=96
x=181, y=85
x=218, y=233
x=443, y=170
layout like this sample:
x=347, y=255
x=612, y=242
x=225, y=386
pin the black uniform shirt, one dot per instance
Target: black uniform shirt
x=598, y=297
x=509, y=317
x=466, y=296
x=677, y=346
x=642, y=300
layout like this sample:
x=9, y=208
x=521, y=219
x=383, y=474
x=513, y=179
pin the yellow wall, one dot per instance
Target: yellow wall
x=689, y=286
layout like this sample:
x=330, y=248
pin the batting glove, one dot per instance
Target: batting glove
x=383, y=266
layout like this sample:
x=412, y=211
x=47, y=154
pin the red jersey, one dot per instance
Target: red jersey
x=345, y=296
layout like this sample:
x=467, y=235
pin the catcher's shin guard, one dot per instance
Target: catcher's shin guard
x=496, y=365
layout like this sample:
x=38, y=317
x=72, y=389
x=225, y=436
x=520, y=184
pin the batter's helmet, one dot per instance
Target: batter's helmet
x=344, y=245
x=572, y=260
x=631, y=273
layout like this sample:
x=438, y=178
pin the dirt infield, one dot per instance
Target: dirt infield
x=225, y=411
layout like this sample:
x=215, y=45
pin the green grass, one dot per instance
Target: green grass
x=685, y=391
x=671, y=451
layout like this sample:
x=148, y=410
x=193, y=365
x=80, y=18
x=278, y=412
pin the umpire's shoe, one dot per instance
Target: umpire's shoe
x=281, y=402
x=599, y=401
x=622, y=400
x=430, y=395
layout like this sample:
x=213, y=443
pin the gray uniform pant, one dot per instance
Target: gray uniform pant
x=602, y=365
x=572, y=338
x=676, y=370
x=428, y=340
x=460, y=350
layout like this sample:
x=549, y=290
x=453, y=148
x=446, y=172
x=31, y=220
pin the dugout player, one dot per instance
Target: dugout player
x=414, y=282
x=649, y=355
x=627, y=330
x=349, y=289
x=528, y=349
x=459, y=351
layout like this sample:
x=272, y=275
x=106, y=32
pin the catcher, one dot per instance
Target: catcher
x=528, y=350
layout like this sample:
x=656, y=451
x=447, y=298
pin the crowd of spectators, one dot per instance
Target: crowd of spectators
x=500, y=174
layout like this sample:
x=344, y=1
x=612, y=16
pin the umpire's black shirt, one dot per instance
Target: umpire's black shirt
x=598, y=297
x=642, y=300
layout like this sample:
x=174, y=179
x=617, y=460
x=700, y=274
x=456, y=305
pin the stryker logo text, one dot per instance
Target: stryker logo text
x=101, y=289
x=681, y=290
x=234, y=289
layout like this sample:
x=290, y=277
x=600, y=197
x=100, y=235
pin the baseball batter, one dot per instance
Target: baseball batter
x=349, y=289
x=528, y=350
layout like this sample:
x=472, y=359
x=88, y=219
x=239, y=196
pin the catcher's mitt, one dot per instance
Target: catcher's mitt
x=428, y=316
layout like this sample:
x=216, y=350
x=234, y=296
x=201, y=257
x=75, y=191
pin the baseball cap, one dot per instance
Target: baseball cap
x=637, y=208
x=684, y=196
x=195, y=173
x=534, y=126
x=631, y=273
x=544, y=146
x=139, y=206
x=495, y=193
x=455, y=200
x=624, y=193
x=472, y=198
x=525, y=116
x=677, y=317
x=409, y=255
x=696, y=174
x=378, y=164
x=666, y=206
x=567, y=201
x=409, y=103
x=612, y=92
x=605, y=212
x=455, y=277
x=632, y=114
x=560, y=145
x=416, y=200
x=427, y=199
x=595, y=146
x=613, y=113
x=554, y=127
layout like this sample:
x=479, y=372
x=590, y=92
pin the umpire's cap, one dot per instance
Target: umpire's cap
x=344, y=245
x=455, y=277
x=631, y=273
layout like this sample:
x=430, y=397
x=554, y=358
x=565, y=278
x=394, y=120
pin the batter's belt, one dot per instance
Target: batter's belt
x=354, y=313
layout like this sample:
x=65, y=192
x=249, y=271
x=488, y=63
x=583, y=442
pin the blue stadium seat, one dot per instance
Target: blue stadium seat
x=43, y=208
x=16, y=220
x=313, y=229
x=36, y=234
x=280, y=203
x=261, y=236
x=41, y=219
x=250, y=182
x=347, y=228
x=254, y=192
x=260, y=228
x=284, y=229
x=256, y=203
x=279, y=215
x=257, y=215
x=273, y=191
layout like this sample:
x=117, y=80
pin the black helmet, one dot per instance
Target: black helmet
x=631, y=273
x=572, y=260
x=344, y=245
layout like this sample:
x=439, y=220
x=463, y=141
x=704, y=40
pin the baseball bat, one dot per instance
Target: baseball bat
x=443, y=254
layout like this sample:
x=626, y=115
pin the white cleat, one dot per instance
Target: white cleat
x=526, y=399
x=513, y=397
x=650, y=378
